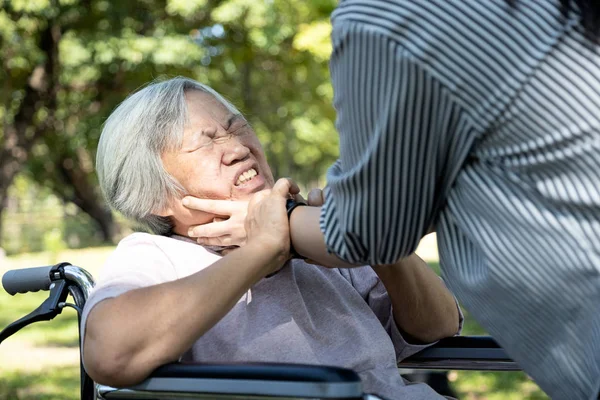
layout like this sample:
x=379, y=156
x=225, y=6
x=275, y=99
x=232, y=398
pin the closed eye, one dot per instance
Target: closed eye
x=201, y=139
x=242, y=129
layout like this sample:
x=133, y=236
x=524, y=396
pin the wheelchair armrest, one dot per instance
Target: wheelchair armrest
x=244, y=379
x=463, y=353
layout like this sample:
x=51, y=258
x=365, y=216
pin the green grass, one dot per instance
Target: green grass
x=41, y=377
x=58, y=383
x=62, y=382
x=60, y=332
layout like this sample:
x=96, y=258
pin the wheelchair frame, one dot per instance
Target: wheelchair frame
x=238, y=380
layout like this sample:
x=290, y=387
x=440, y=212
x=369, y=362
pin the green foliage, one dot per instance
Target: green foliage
x=268, y=58
x=54, y=243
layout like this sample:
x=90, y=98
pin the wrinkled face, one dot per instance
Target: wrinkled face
x=220, y=157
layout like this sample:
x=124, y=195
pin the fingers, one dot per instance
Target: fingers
x=285, y=186
x=316, y=198
x=224, y=252
x=298, y=197
x=216, y=241
x=211, y=230
x=218, y=207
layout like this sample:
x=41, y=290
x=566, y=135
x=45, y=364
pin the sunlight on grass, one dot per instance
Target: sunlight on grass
x=473, y=385
x=91, y=259
x=61, y=331
x=56, y=383
x=59, y=379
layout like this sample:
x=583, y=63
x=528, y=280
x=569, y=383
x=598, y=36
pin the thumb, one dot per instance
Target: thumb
x=285, y=186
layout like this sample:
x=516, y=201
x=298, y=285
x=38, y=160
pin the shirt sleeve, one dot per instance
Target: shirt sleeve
x=399, y=147
x=136, y=263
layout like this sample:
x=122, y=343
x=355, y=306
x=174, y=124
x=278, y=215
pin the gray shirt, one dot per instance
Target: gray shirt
x=303, y=314
x=483, y=120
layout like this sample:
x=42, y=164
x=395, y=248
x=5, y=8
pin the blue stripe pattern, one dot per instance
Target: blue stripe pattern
x=480, y=119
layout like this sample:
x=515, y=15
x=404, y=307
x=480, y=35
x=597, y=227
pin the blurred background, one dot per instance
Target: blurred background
x=66, y=64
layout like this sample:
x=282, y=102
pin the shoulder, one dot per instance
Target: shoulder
x=401, y=18
x=445, y=15
x=160, y=254
x=138, y=247
x=436, y=26
x=170, y=246
x=483, y=52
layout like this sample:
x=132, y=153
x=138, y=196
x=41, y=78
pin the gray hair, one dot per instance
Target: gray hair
x=129, y=165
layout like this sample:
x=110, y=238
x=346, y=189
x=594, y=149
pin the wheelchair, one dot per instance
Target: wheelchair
x=257, y=381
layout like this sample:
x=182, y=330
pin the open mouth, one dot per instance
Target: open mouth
x=246, y=177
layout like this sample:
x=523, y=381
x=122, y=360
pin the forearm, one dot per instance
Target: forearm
x=127, y=337
x=422, y=305
x=308, y=240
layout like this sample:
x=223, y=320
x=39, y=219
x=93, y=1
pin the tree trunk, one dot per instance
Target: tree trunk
x=85, y=196
x=3, y=196
x=40, y=91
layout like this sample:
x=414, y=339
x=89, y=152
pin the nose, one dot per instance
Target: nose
x=234, y=151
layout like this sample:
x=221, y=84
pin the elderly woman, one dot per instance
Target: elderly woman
x=163, y=297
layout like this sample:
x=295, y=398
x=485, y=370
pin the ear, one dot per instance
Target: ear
x=167, y=211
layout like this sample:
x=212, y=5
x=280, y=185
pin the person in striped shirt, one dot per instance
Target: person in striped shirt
x=480, y=120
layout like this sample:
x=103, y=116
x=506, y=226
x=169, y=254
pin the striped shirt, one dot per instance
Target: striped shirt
x=483, y=121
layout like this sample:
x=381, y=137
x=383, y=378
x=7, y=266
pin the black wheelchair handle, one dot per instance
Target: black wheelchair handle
x=27, y=280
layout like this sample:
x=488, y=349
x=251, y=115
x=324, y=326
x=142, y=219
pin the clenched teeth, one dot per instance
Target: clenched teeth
x=246, y=176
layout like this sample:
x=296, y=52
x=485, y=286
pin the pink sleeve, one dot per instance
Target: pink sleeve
x=137, y=262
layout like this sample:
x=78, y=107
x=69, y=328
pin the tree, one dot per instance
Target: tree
x=68, y=63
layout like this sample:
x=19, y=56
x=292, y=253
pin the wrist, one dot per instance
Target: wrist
x=292, y=207
x=270, y=255
x=268, y=245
